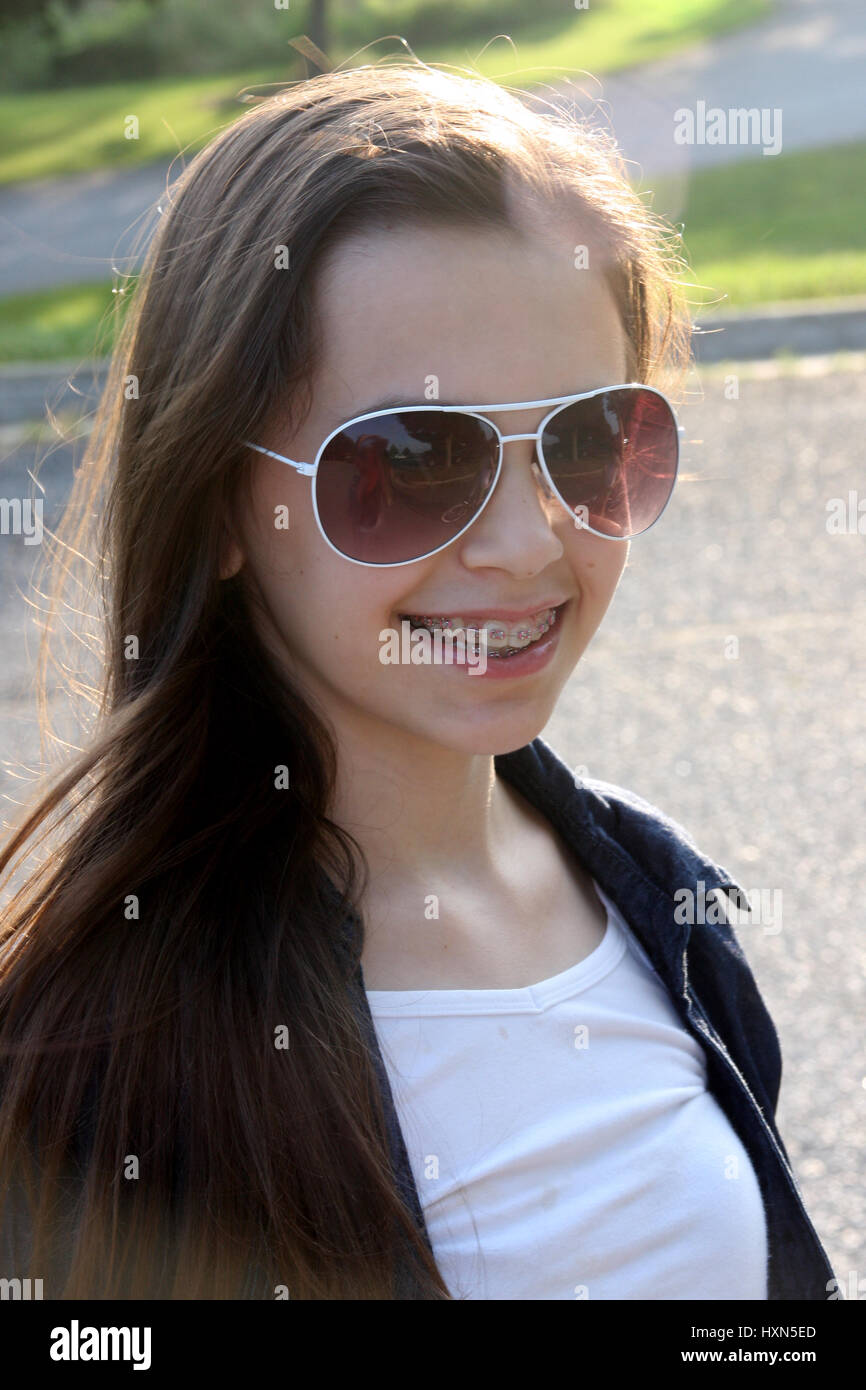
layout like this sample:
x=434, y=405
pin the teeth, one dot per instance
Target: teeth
x=502, y=638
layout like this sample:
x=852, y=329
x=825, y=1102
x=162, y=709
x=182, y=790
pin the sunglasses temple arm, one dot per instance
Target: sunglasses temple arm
x=308, y=469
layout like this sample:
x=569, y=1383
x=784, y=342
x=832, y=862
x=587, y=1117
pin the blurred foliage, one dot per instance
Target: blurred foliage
x=179, y=65
x=67, y=44
x=94, y=41
x=63, y=43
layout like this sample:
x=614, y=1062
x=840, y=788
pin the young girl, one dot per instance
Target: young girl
x=333, y=982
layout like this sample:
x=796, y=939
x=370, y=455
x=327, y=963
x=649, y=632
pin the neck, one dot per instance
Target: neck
x=415, y=808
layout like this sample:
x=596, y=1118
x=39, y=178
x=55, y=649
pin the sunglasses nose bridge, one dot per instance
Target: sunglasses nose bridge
x=535, y=463
x=506, y=438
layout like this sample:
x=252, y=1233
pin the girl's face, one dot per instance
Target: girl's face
x=494, y=318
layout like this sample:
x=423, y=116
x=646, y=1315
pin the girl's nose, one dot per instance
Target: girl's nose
x=541, y=480
x=516, y=529
x=535, y=465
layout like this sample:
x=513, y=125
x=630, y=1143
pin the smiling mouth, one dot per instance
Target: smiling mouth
x=503, y=639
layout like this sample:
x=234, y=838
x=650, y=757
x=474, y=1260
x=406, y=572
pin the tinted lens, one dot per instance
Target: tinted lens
x=613, y=459
x=395, y=487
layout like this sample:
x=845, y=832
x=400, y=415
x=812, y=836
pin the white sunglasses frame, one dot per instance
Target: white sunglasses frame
x=310, y=470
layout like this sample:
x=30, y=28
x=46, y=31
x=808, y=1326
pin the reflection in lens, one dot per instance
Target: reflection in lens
x=397, y=486
x=613, y=458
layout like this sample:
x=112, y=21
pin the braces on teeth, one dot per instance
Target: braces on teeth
x=528, y=634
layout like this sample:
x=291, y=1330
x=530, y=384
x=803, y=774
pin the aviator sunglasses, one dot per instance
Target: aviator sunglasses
x=395, y=486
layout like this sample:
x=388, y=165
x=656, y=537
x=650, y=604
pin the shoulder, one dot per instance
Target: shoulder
x=648, y=864
x=651, y=868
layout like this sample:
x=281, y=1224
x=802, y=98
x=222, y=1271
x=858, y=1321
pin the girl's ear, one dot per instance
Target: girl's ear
x=231, y=558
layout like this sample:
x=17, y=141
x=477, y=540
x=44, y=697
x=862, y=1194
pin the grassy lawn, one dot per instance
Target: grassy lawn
x=72, y=322
x=48, y=133
x=45, y=134
x=787, y=227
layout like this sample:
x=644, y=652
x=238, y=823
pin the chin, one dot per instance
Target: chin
x=494, y=736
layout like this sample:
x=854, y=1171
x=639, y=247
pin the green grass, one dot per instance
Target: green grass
x=787, y=226
x=49, y=133
x=45, y=134
x=71, y=322
x=767, y=228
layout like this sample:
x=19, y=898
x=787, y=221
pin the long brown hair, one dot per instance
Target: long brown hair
x=155, y=1139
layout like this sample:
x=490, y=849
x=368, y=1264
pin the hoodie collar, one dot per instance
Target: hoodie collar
x=637, y=855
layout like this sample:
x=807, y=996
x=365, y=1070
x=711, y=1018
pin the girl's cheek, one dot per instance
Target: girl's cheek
x=597, y=563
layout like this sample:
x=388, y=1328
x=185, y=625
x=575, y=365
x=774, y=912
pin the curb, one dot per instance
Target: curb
x=808, y=328
x=805, y=328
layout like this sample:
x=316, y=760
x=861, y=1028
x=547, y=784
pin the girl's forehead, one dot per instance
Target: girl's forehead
x=454, y=316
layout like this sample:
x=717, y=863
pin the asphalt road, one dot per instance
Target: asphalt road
x=760, y=755
x=805, y=60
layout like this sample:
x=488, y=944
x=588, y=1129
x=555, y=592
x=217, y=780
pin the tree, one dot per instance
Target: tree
x=319, y=23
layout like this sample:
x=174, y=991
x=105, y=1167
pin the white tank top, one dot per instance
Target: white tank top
x=563, y=1141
